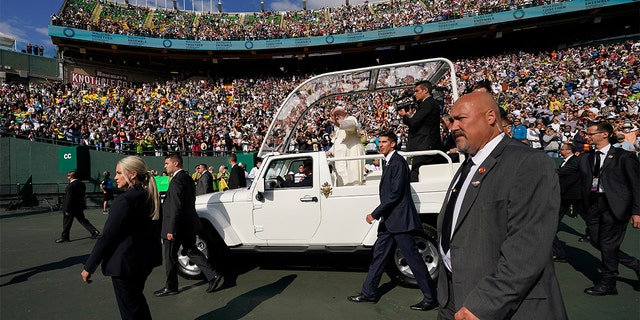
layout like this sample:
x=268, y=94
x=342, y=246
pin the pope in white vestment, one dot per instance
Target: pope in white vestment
x=346, y=143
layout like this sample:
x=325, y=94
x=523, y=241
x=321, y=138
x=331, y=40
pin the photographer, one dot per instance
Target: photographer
x=552, y=142
x=423, y=122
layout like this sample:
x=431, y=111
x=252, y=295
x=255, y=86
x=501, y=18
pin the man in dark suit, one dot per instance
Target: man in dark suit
x=398, y=220
x=237, y=178
x=180, y=224
x=73, y=205
x=497, y=225
x=205, y=183
x=424, y=127
x=611, y=197
x=570, y=198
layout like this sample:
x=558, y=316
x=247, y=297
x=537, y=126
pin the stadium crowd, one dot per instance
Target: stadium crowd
x=548, y=97
x=174, y=24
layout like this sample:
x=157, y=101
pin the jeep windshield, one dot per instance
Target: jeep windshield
x=377, y=88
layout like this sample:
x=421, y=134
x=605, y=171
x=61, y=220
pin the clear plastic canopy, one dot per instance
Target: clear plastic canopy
x=350, y=82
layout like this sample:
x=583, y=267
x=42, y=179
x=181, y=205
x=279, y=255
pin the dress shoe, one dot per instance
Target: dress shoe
x=213, y=283
x=61, y=240
x=424, y=306
x=362, y=298
x=584, y=239
x=95, y=234
x=559, y=259
x=165, y=292
x=601, y=290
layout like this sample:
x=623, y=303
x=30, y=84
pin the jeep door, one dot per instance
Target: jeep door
x=290, y=207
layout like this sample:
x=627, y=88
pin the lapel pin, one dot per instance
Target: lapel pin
x=482, y=170
x=610, y=156
x=475, y=183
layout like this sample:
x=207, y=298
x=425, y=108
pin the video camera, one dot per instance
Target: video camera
x=405, y=100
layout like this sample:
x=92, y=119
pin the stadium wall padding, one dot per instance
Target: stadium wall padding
x=21, y=160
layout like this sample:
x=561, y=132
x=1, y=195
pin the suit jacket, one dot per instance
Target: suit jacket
x=73, y=201
x=179, y=215
x=424, y=126
x=619, y=177
x=569, y=176
x=236, y=178
x=205, y=183
x=130, y=242
x=501, y=245
x=396, y=211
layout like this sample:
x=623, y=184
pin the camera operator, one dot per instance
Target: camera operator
x=424, y=126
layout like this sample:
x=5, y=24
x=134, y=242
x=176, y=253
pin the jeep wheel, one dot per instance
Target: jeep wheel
x=397, y=267
x=188, y=269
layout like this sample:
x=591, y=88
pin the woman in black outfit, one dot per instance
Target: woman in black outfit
x=130, y=245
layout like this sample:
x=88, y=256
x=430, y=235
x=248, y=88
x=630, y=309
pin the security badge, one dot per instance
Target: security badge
x=594, y=184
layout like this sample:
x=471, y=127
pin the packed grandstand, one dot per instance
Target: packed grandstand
x=553, y=92
x=174, y=24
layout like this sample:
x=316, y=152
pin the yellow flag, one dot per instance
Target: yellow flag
x=223, y=185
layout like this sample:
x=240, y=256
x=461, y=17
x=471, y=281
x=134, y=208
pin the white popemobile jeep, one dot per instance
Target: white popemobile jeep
x=268, y=217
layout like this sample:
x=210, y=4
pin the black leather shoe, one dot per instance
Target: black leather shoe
x=601, y=290
x=61, y=240
x=362, y=298
x=584, y=239
x=559, y=259
x=424, y=306
x=165, y=292
x=95, y=235
x=213, y=283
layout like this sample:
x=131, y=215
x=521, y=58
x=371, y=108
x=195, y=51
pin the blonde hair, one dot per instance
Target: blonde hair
x=145, y=178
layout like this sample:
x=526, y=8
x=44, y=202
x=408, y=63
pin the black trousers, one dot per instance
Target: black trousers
x=188, y=244
x=131, y=301
x=381, y=250
x=607, y=233
x=565, y=209
x=67, y=221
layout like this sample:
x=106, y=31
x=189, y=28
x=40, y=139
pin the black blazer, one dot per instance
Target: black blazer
x=424, y=126
x=236, y=178
x=396, y=211
x=569, y=176
x=501, y=244
x=179, y=215
x=205, y=183
x=130, y=242
x=619, y=177
x=73, y=201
